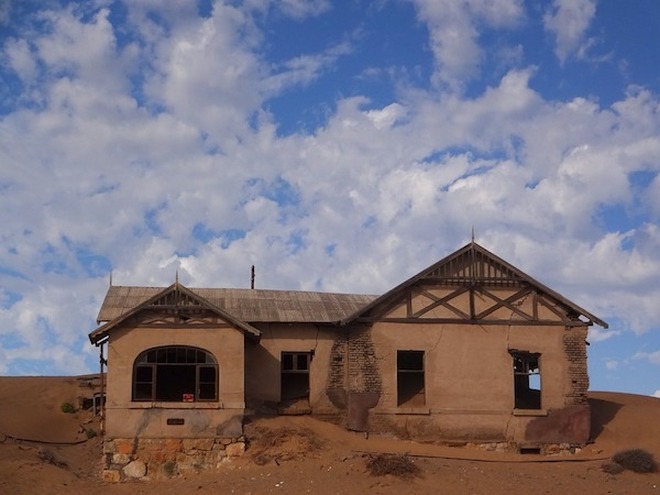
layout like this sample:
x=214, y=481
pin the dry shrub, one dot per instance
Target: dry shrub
x=283, y=444
x=637, y=460
x=396, y=465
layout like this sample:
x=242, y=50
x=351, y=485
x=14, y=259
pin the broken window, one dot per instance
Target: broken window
x=295, y=375
x=526, y=380
x=175, y=374
x=410, y=378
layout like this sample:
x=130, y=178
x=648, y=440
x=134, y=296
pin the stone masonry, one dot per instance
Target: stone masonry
x=128, y=459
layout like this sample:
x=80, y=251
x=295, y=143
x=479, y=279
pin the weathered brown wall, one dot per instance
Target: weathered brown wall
x=127, y=419
x=468, y=371
x=262, y=362
x=469, y=380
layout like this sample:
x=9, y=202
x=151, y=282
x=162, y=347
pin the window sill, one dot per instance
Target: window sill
x=530, y=412
x=422, y=411
x=176, y=405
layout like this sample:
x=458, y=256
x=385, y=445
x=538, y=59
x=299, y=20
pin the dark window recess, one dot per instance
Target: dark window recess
x=410, y=378
x=526, y=380
x=175, y=374
x=295, y=375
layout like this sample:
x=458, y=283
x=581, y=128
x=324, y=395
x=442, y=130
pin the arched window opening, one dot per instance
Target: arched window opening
x=175, y=374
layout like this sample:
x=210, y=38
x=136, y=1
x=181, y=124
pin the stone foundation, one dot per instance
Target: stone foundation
x=514, y=448
x=136, y=458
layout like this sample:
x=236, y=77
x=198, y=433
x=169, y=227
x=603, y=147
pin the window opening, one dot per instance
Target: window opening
x=410, y=378
x=295, y=375
x=526, y=380
x=175, y=374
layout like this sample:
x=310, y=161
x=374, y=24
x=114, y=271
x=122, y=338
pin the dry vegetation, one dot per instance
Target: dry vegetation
x=281, y=444
x=399, y=465
x=636, y=460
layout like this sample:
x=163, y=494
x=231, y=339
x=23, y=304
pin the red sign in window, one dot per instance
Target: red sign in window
x=188, y=397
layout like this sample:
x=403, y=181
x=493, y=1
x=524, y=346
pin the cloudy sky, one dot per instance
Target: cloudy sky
x=337, y=146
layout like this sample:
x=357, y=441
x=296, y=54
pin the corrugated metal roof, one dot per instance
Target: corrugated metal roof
x=249, y=305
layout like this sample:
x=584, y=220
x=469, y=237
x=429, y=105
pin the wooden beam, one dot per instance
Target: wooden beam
x=529, y=323
x=440, y=301
x=505, y=303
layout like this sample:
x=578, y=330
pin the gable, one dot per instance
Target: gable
x=473, y=285
x=173, y=307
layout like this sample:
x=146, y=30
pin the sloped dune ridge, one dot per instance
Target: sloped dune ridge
x=44, y=450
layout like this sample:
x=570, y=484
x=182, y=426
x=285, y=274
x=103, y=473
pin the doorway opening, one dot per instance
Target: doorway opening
x=295, y=381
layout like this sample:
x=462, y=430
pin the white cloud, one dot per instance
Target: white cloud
x=21, y=60
x=651, y=357
x=453, y=29
x=387, y=116
x=300, y=9
x=378, y=192
x=568, y=21
x=611, y=364
x=656, y=394
x=207, y=76
x=84, y=49
x=597, y=334
x=302, y=70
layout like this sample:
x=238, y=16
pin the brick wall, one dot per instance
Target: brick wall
x=363, y=373
x=575, y=348
x=336, y=384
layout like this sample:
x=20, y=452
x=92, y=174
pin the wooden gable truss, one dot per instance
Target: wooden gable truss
x=174, y=307
x=475, y=286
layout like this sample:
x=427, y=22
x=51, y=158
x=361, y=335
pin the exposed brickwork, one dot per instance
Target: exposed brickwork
x=575, y=348
x=165, y=458
x=336, y=383
x=363, y=372
x=354, y=384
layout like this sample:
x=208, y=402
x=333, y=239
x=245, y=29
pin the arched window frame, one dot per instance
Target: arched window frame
x=175, y=374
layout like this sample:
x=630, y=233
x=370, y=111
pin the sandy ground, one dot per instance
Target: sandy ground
x=45, y=451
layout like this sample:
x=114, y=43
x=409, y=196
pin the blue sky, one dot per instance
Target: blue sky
x=339, y=146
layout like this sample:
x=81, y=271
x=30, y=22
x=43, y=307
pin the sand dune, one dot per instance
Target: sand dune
x=44, y=451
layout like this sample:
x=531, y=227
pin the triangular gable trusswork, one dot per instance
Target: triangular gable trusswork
x=473, y=285
x=172, y=306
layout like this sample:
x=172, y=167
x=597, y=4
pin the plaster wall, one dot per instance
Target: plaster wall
x=469, y=390
x=263, y=367
x=127, y=419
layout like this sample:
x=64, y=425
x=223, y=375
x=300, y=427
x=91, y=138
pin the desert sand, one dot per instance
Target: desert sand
x=46, y=451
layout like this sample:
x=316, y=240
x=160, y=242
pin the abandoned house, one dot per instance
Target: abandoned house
x=469, y=349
